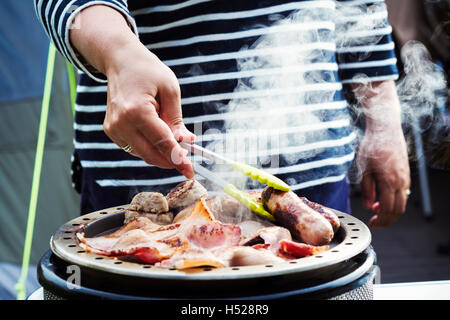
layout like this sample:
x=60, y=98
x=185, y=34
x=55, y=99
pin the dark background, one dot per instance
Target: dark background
x=415, y=247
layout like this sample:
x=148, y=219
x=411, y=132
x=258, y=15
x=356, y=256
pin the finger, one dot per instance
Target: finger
x=373, y=220
x=140, y=147
x=368, y=193
x=171, y=112
x=385, y=216
x=181, y=133
x=171, y=150
x=161, y=137
x=376, y=207
x=400, y=203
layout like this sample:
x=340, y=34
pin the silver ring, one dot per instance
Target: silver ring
x=407, y=192
x=127, y=148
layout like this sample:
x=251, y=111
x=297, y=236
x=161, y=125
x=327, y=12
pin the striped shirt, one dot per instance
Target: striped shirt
x=261, y=81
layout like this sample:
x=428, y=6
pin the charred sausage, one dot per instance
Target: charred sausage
x=305, y=224
x=325, y=212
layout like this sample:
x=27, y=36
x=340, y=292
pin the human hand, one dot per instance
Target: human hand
x=143, y=101
x=383, y=159
x=144, y=108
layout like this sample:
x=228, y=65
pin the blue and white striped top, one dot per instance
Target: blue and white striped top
x=261, y=81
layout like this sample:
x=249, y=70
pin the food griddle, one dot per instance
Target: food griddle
x=349, y=259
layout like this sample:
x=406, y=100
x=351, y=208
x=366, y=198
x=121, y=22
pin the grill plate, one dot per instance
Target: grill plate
x=352, y=238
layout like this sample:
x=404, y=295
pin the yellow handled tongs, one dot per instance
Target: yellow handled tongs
x=252, y=172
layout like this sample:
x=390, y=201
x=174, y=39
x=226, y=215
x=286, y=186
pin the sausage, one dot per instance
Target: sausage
x=304, y=223
x=325, y=212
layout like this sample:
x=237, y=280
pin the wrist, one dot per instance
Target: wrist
x=385, y=118
x=381, y=106
x=121, y=53
x=102, y=32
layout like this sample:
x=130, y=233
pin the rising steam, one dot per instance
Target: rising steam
x=274, y=108
x=278, y=106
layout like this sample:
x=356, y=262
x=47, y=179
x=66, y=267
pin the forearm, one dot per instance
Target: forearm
x=382, y=153
x=380, y=104
x=101, y=35
x=143, y=107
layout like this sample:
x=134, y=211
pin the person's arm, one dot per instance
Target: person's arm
x=382, y=155
x=57, y=19
x=144, y=100
x=143, y=96
x=369, y=65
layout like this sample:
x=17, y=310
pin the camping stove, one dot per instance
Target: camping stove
x=346, y=271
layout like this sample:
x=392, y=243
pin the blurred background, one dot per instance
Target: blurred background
x=23, y=57
x=415, y=248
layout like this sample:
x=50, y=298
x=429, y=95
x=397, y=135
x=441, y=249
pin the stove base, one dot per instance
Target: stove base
x=353, y=280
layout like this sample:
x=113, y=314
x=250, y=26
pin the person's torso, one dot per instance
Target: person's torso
x=259, y=83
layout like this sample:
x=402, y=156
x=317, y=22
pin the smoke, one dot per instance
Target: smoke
x=286, y=81
x=284, y=78
x=355, y=25
x=420, y=90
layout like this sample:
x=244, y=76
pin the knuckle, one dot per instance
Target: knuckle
x=131, y=111
x=166, y=145
x=110, y=125
x=120, y=109
x=107, y=128
x=406, y=181
x=176, y=122
x=153, y=102
x=173, y=89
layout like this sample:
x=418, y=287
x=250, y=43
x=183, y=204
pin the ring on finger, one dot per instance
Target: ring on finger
x=127, y=148
x=407, y=192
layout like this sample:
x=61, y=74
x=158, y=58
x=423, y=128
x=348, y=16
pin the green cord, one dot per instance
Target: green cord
x=20, y=286
x=72, y=85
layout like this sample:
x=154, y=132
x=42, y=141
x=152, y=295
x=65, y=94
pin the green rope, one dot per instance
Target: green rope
x=72, y=85
x=20, y=286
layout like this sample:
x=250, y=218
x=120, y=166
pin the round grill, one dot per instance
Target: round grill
x=348, y=267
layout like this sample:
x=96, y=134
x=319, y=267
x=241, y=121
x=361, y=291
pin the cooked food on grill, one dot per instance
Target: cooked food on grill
x=227, y=209
x=271, y=236
x=216, y=231
x=152, y=243
x=151, y=202
x=324, y=211
x=303, y=221
x=250, y=227
x=185, y=194
x=279, y=241
x=230, y=256
x=152, y=205
x=181, y=215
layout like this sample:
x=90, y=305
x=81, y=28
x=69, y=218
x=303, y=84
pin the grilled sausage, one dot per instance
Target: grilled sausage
x=325, y=212
x=304, y=223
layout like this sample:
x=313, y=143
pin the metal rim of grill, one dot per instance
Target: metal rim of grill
x=351, y=239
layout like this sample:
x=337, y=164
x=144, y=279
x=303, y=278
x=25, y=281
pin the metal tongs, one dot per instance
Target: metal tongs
x=252, y=172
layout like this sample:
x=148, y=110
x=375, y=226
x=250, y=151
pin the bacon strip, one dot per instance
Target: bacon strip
x=152, y=243
x=300, y=250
